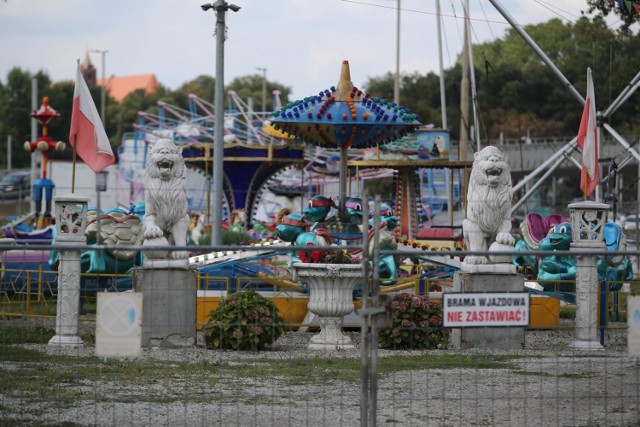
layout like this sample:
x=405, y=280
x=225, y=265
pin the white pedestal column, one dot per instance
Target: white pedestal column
x=68, y=305
x=587, y=234
x=587, y=290
x=71, y=223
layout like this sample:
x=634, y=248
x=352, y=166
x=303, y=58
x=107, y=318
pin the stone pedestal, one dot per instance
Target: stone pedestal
x=486, y=279
x=68, y=301
x=587, y=290
x=588, y=220
x=168, y=306
x=71, y=222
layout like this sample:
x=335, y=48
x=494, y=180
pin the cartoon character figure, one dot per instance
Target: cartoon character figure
x=293, y=229
x=388, y=266
x=558, y=273
x=318, y=210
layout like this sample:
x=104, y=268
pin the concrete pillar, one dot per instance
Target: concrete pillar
x=168, y=304
x=587, y=290
x=71, y=222
x=503, y=338
x=587, y=235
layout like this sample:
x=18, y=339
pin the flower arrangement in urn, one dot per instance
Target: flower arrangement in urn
x=324, y=256
x=331, y=275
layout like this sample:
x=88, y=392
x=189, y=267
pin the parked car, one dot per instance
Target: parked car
x=15, y=185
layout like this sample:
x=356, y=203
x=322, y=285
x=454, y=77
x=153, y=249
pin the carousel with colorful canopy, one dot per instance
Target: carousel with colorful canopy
x=343, y=117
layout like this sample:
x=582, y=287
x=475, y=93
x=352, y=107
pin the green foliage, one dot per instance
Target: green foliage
x=341, y=257
x=338, y=256
x=604, y=7
x=244, y=321
x=417, y=324
x=18, y=335
x=229, y=237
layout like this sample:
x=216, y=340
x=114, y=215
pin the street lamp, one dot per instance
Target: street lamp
x=264, y=90
x=102, y=88
x=220, y=7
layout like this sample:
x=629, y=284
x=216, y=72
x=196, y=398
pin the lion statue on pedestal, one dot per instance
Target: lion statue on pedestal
x=488, y=222
x=166, y=221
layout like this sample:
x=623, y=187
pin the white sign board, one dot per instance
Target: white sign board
x=118, y=324
x=463, y=310
x=633, y=323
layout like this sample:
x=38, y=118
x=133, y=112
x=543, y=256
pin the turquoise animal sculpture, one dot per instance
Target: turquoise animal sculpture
x=556, y=269
x=388, y=265
x=117, y=227
x=318, y=209
x=293, y=229
x=558, y=273
x=353, y=210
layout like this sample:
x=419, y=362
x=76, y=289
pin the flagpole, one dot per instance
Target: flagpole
x=75, y=137
x=73, y=164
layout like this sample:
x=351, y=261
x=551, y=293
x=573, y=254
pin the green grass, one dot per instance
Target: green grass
x=36, y=374
x=18, y=335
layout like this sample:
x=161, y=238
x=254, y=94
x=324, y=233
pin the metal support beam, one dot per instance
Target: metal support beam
x=538, y=184
x=566, y=149
x=621, y=140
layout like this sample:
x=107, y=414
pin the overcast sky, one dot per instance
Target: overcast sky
x=301, y=43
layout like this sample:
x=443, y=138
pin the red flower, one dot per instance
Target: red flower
x=315, y=256
x=303, y=256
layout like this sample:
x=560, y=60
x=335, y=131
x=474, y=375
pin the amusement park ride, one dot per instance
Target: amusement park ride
x=313, y=153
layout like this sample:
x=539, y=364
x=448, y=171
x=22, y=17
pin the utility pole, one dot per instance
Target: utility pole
x=464, y=89
x=34, y=135
x=464, y=107
x=220, y=7
x=102, y=88
x=9, y=152
x=396, y=83
x=264, y=90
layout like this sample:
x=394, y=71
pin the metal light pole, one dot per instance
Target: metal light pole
x=396, y=81
x=264, y=90
x=220, y=7
x=34, y=135
x=102, y=87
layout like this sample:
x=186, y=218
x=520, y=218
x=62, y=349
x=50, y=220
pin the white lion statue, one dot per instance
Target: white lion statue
x=166, y=221
x=489, y=196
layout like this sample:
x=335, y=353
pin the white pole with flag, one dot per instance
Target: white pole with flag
x=87, y=135
x=589, y=142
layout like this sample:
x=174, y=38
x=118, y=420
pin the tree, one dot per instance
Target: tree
x=250, y=86
x=628, y=12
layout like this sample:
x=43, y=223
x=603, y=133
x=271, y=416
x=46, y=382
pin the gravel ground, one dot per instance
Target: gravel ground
x=548, y=383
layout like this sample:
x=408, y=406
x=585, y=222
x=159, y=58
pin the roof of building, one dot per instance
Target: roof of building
x=120, y=87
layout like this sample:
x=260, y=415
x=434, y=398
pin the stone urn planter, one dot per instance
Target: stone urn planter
x=331, y=298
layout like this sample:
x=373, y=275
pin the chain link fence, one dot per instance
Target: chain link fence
x=402, y=368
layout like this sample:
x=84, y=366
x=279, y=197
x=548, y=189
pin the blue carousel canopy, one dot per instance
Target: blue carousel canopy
x=344, y=116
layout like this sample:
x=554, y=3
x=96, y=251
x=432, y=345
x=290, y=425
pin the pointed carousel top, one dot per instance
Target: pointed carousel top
x=344, y=116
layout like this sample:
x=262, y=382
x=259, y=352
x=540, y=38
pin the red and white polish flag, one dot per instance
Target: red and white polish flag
x=588, y=141
x=87, y=134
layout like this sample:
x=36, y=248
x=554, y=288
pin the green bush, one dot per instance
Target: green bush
x=417, y=324
x=229, y=237
x=244, y=321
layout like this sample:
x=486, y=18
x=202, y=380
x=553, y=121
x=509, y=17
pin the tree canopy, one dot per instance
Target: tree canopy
x=517, y=94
